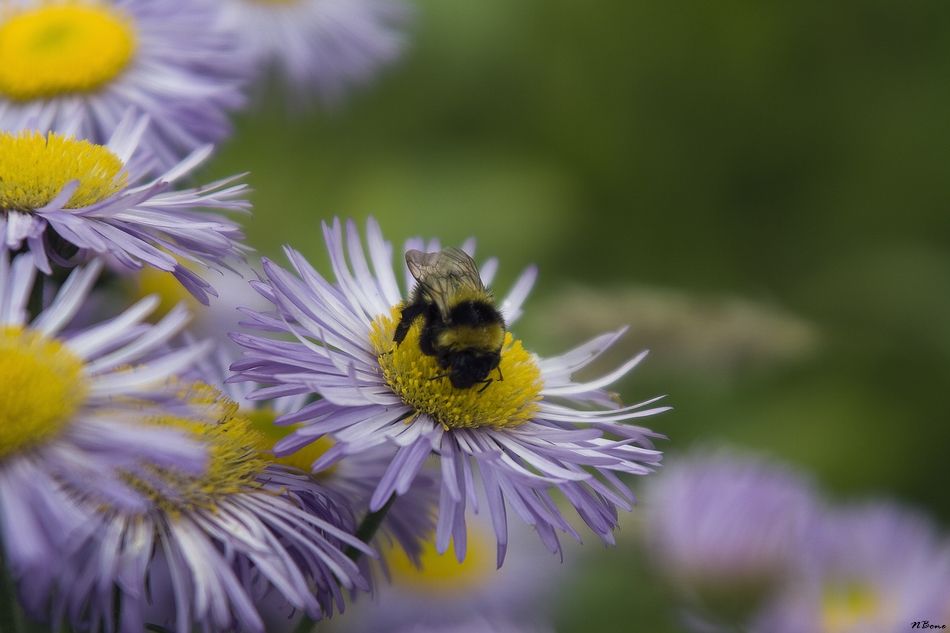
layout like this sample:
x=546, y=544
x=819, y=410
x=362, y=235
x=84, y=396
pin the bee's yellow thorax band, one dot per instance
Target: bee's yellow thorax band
x=486, y=338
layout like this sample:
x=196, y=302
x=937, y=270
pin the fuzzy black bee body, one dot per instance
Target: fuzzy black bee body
x=462, y=328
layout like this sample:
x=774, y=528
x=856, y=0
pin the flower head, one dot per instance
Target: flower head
x=93, y=59
x=438, y=593
x=77, y=411
x=526, y=433
x=875, y=568
x=209, y=547
x=60, y=195
x=318, y=46
x=728, y=531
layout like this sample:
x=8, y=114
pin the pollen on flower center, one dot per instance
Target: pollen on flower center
x=62, y=48
x=35, y=168
x=41, y=387
x=235, y=455
x=263, y=421
x=412, y=376
x=846, y=607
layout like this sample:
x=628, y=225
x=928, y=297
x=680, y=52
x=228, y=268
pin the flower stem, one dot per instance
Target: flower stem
x=12, y=619
x=368, y=527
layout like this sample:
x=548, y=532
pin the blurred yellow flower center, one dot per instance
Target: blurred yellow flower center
x=263, y=421
x=851, y=607
x=149, y=281
x=442, y=573
x=36, y=167
x=412, y=376
x=41, y=387
x=62, y=48
x=235, y=455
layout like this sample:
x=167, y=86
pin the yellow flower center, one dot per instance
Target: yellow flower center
x=62, y=48
x=235, y=455
x=442, y=573
x=35, y=168
x=149, y=281
x=263, y=421
x=41, y=387
x=412, y=376
x=853, y=606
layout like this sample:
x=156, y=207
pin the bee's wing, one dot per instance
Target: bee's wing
x=441, y=274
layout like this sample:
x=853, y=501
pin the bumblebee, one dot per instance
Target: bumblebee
x=462, y=327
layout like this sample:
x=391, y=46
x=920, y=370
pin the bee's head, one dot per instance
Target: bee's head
x=471, y=367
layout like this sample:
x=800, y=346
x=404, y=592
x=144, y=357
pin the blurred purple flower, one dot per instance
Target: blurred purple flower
x=727, y=530
x=876, y=568
x=318, y=46
x=441, y=594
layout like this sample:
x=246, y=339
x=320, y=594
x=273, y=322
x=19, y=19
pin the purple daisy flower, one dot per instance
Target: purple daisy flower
x=533, y=431
x=209, y=548
x=876, y=568
x=93, y=59
x=60, y=196
x=318, y=46
x=728, y=531
x=76, y=411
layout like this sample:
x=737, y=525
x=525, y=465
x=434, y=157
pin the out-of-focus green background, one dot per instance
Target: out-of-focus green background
x=765, y=185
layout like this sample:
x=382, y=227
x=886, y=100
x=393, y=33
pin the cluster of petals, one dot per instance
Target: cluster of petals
x=410, y=520
x=577, y=450
x=212, y=567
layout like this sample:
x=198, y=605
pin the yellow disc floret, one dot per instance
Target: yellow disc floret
x=414, y=377
x=442, y=573
x=35, y=168
x=235, y=455
x=41, y=386
x=263, y=421
x=62, y=48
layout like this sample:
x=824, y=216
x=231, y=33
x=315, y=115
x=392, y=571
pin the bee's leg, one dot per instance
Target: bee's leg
x=487, y=382
x=501, y=378
x=409, y=314
x=445, y=375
